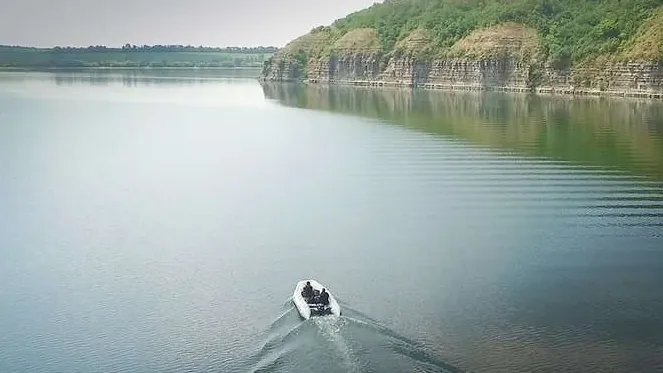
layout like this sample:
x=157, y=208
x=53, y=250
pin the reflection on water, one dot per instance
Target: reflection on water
x=135, y=77
x=624, y=135
x=197, y=87
x=159, y=225
x=568, y=196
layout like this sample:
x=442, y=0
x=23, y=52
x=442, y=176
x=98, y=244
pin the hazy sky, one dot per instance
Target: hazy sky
x=206, y=22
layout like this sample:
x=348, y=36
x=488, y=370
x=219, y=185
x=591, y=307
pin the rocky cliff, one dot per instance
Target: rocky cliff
x=507, y=57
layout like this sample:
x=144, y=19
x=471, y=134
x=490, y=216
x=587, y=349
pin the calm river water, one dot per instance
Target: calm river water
x=159, y=221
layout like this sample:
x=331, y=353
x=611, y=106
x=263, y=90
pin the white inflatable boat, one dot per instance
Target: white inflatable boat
x=311, y=306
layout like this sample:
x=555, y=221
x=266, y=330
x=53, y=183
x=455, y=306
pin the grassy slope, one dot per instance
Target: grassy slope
x=648, y=41
x=508, y=39
x=358, y=40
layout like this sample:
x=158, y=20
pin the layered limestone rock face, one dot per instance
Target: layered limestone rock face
x=479, y=74
x=294, y=60
x=281, y=70
x=503, y=57
x=411, y=64
x=482, y=73
x=355, y=66
x=626, y=76
x=407, y=70
x=354, y=56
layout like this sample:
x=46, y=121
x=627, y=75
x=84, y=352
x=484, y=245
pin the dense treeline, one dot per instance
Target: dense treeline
x=151, y=48
x=133, y=56
x=570, y=30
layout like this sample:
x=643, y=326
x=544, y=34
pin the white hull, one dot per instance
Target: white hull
x=303, y=307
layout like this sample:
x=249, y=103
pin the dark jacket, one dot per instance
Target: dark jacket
x=308, y=291
x=324, y=298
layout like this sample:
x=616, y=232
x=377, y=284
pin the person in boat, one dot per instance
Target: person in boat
x=324, y=297
x=307, y=293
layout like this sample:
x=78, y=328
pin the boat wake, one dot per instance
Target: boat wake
x=352, y=342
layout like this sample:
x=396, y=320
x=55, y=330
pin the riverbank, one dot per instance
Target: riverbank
x=133, y=57
x=118, y=68
x=130, y=74
x=510, y=51
x=466, y=87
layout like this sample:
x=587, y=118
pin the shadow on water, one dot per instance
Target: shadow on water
x=616, y=134
x=352, y=342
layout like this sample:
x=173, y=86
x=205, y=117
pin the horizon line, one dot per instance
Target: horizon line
x=136, y=45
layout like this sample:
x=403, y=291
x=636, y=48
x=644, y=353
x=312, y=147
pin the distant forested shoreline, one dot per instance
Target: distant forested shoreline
x=132, y=56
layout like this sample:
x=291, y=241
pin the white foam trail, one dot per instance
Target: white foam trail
x=331, y=326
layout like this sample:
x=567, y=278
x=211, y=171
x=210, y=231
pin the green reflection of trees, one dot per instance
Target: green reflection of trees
x=622, y=134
